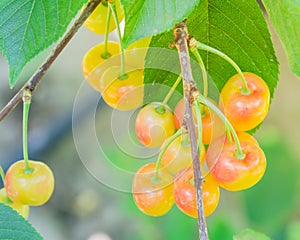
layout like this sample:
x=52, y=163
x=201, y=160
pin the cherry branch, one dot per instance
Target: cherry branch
x=180, y=40
x=32, y=83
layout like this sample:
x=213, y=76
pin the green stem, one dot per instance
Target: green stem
x=199, y=122
x=172, y=90
x=245, y=89
x=161, y=153
x=123, y=74
x=2, y=175
x=204, y=73
x=228, y=133
x=239, y=153
x=106, y=54
x=161, y=109
x=26, y=106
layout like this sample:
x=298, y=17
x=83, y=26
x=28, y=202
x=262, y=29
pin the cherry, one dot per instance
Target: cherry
x=154, y=124
x=153, y=194
x=91, y=69
x=178, y=155
x=29, y=188
x=245, y=111
x=231, y=172
x=23, y=210
x=185, y=193
x=123, y=93
x=96, y=22
x=212, y=125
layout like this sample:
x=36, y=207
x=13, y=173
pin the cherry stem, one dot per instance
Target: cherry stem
x=245, y=89
x=106, y=54
x=26, y=105
x=199, y=122
x=172, y=90
x=203, y=70
x=228, y=133
x=239, y=153
x=161, y=109
x=181, y=37
x=123, y=74
x=2, y=175
x=163, y=150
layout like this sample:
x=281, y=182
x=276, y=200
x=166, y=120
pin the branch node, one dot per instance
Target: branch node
x=27, y=95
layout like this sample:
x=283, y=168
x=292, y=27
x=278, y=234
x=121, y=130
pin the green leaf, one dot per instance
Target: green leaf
x=144, y=18
x=249, y=234
x=285, y=19
x=29, y=27
x=235, y=27
x=15, y=227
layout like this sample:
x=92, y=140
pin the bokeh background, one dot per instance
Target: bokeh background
x=84, y=208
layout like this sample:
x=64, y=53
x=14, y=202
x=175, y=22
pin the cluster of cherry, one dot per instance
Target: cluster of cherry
x=232, y=158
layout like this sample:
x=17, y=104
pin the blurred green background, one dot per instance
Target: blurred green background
x=84, y=208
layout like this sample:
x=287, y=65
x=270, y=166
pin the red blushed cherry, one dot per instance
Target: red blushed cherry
x=185, y=193
x=178, y=155
x=212, y=125
x=245, y=111
x=154, y=124
x=230, y=172
x=153, y=194
x=34, y=188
